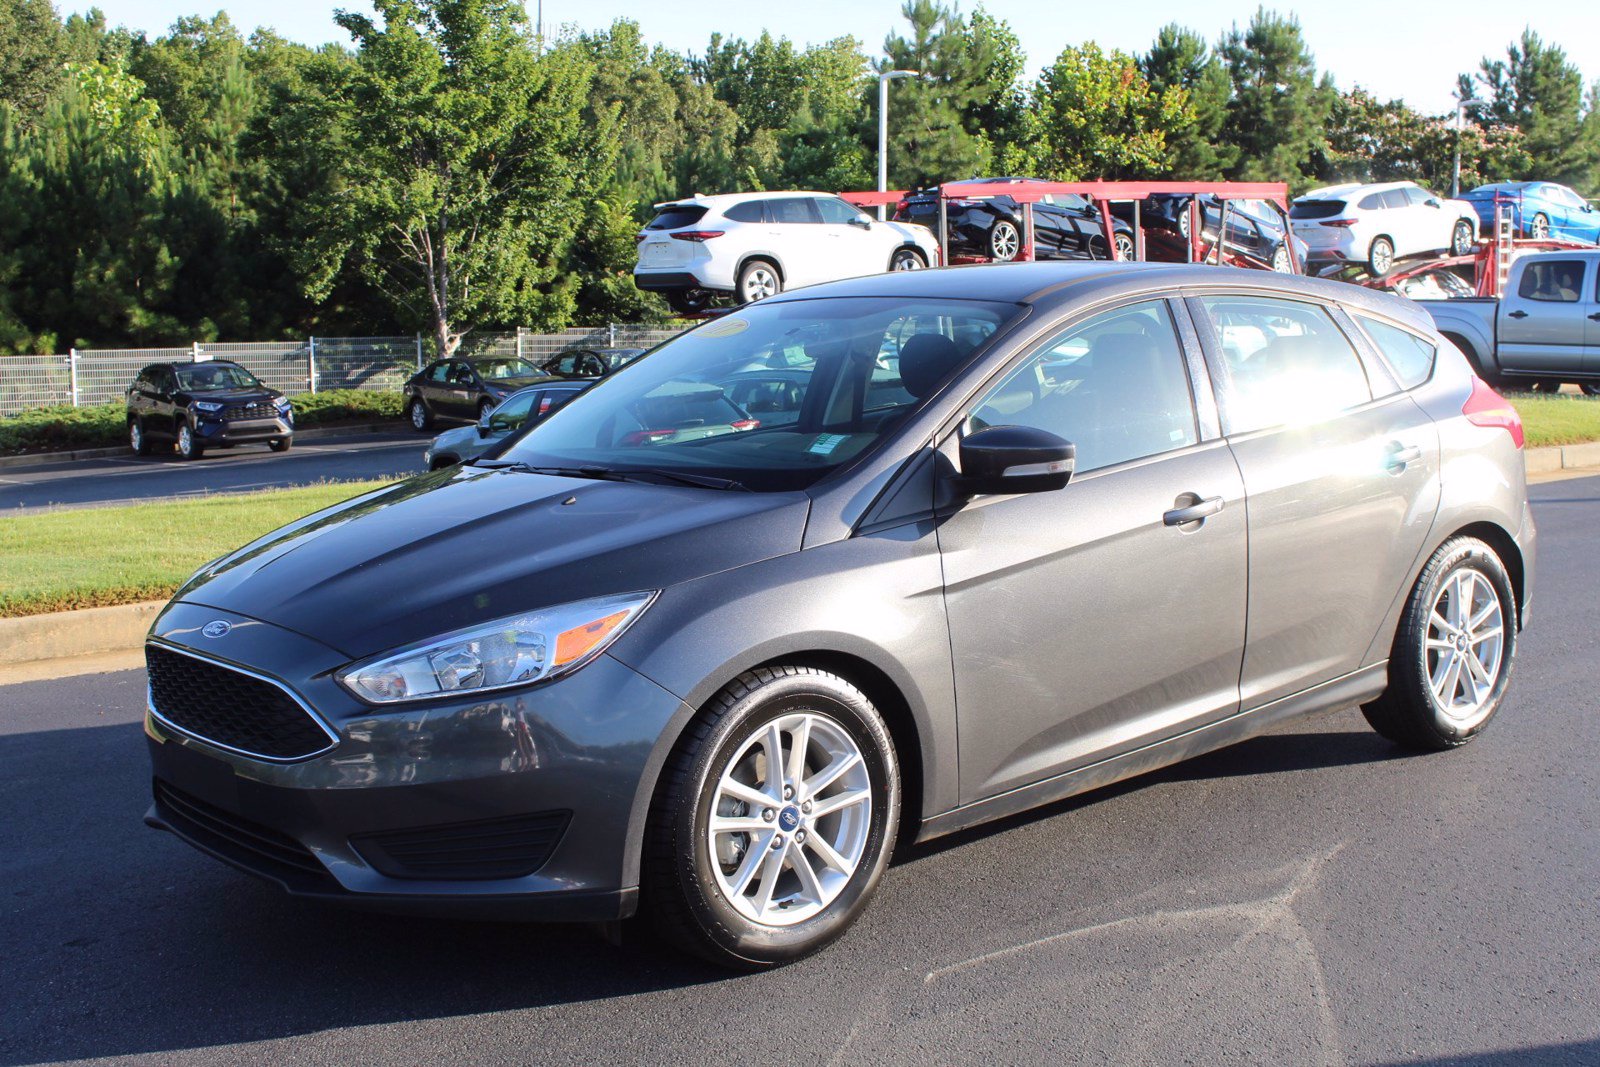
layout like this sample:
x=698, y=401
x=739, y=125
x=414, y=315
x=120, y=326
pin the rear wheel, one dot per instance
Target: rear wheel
x=188, y=446
x=136, y=438
x=1004, y=241
x=688, y=301
x=1380, y=258
x=1539, y=228
x=421, y=418
x=758, y=279
x=1125, y=248
x=1452, y=655
x=774, y=820
x=1461, y=238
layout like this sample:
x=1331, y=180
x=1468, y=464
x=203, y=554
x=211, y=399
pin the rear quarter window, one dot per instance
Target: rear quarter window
x=749, y=211
x=1411, y=356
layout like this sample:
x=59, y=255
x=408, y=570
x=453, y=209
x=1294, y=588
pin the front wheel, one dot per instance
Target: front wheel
x=1280, y=259
x=280, y=444
x=1380, y=258
x=774, y=819
x=907, y=259
x=188, y=446
x=1461, y=238
x=1451, y=660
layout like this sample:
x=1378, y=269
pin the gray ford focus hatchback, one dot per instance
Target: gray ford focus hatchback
x=977, y=539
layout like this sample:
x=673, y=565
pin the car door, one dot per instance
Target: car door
x=856, y=245
x=796, y=231
x=1543, y=323
x=461, y=391
x=1341, y=487
x=165, y=412
x=1418, y=227
x=1100, y=617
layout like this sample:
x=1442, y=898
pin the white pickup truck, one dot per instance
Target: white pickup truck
x=1543, y=331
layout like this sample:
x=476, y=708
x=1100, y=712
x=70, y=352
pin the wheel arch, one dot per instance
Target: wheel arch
x=765, y=257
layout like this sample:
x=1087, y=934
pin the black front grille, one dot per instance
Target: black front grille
x=510, y=847
x=248, y=844
x=263, y=409
x=216, y=703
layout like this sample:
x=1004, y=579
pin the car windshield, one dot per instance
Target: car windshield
x=210, y=377
x=773, y=396
x=496, y=369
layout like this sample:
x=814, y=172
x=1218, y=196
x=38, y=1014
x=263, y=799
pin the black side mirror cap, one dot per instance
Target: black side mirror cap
x=1015, y=459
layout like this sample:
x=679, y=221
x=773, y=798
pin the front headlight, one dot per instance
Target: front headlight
x=207, y=407
x=518, y=650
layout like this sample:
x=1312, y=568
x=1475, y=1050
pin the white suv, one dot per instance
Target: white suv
x=753, y=245
x=1374, y=225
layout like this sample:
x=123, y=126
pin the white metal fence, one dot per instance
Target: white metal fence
x=88, y=376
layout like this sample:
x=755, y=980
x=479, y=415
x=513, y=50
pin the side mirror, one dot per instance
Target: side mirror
x=483, y=424
x=1015, y=459
x=1432, y=203
x=862, y=221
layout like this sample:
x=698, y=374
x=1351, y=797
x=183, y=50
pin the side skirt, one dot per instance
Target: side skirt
x=1354, y=688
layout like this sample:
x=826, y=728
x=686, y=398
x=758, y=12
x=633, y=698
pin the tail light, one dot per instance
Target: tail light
x=646, y=437
x=746, y=424
x=697, y=236
x=1341, y=223
x=965, y=203
x=1485, y=407
x=638, y=238
x=899, y=208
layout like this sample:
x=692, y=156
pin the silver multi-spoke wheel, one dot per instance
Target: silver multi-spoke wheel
x=1125, y=249
x=1381, y=257
x=1465, y=645
x=136, y=436
x=790, y=819
x=759, y=282
x=419, y=415
x=905, y=259
x=1540, y=228
x=1004, y=241
x=1280, y=260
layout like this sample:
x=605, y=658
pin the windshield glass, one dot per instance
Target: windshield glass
x=772, y=396
x=495, y=369
x=208, y=377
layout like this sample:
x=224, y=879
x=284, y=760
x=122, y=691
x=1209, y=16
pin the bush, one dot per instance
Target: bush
x=58, y=429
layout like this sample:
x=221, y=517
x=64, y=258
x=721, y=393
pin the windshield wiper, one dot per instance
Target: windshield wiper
x=606, y=474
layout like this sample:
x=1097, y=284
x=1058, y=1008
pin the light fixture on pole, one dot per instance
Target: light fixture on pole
x=1461, y=113
x=883, y=130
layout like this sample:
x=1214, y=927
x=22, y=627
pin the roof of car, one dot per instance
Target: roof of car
x=1330, y=191
x=718, y=200
x=1056, y=282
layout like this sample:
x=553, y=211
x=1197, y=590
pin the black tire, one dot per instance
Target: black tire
x=1462, y=238
x=1380, y=257
x=1408, y=713
x=758, y=279
x=1005, y=241
x=688, y=301
x=1545, y=385
x=1539, y=228
x=188, y=447
x=681, y=893
x=281, y=444
x=418, y=415
x=907, y=259
x=1589, y=388
x=137, y=439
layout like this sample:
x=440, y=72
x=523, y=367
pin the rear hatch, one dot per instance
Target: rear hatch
x=1315, y=221
x=657, y=247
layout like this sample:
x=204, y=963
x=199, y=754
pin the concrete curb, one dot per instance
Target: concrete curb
x=34, y=459
x=63, y=634
x=1562, y=457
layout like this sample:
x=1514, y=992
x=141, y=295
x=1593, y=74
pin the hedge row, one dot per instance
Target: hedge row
x=58, y=429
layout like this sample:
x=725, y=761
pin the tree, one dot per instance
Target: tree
x=31, y=54
x=932, y=135
x=1099, y=118
x=1179, y=58
x=467, y=164
x=1278, y=107
x=1372, y=141
x=1539, y=92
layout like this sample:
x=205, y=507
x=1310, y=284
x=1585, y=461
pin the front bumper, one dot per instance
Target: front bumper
x=242, y=431
x=576, y=757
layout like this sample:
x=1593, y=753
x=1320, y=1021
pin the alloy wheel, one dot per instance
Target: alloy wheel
x=1004, y=241
x=1280, y=260
x=185, y=441
x=419, y=417
x=1461, y=242
x=790, y=819
x=136, y=436
x=1465, y=645
x=1382, y=257
x=905, y=259
x=759, y=283
x=1540, y=228
x=1125, y=248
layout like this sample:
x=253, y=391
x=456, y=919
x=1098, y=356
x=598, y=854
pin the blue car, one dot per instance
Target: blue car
x=1538, y=209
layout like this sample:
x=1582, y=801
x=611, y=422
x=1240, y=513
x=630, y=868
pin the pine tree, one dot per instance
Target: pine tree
x=1179, y=58
x=1278, y=107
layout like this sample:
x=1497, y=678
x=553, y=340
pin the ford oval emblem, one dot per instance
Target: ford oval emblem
x=216, y=629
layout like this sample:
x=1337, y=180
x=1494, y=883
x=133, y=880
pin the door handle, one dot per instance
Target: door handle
x=1516, y=314
x=1402, y=456
x=1596, y=316
x=1193, y=512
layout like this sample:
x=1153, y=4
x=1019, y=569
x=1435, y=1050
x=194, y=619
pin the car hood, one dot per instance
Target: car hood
x=467, y=545
x=231, y=396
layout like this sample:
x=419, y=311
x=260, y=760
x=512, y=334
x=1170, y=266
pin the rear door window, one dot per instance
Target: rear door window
x=793, y=210
x=1395, y=198
x=1283, y=362
x=1411, y=356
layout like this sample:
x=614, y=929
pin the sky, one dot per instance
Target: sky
x=1411, y=51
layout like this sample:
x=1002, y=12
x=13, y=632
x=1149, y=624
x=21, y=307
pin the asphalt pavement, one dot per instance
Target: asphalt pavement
x=1313, y=896
x=130, y=479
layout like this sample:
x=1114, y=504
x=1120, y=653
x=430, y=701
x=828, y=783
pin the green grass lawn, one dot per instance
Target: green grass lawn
x=60, y=560
x=1557, y=420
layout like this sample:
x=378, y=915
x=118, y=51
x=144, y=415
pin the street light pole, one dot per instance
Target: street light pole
x=883, y=131
x=1461, y=112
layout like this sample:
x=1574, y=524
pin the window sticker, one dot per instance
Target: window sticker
x=726, y=328
x=826, y=443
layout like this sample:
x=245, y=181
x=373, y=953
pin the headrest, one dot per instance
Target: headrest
x=925, y=361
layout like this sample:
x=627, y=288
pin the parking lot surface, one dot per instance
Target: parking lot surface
x=130, y=479
x=1310, y=897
